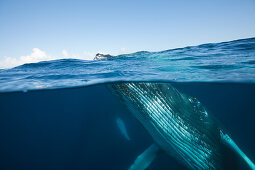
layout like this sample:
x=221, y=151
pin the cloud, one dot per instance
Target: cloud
x=123, y=50
x=8, y=62
x=65, y=53
x=38, y=55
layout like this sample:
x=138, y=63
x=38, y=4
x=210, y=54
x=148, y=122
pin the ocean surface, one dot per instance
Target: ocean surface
x=61, y=114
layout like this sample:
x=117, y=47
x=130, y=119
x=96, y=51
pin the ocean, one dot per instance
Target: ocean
x=65, y=114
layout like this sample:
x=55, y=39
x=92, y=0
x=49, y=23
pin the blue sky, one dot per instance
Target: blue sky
x=35, y=30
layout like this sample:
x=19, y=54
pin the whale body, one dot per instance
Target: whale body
x=178, y=124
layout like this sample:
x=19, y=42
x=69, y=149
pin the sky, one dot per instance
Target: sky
x=37, y=30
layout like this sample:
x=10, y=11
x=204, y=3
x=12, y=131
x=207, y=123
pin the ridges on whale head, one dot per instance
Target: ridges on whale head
x=180, y=125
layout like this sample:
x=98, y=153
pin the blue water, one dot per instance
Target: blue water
x=60, y=114
x=219, y=62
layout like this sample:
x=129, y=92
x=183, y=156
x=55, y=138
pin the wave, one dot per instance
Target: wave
x=214, y=62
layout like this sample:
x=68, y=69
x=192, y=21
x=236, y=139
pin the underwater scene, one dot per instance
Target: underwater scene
x=186, y=108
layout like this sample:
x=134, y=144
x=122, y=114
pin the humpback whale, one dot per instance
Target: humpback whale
x=101, y=56
x=178, y=124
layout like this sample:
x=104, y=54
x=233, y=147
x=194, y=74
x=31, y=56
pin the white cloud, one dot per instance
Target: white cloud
x=38, y=55
x=65, y=53
x=123, y=50
x=8, y=62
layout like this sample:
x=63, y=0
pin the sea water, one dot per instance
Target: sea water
x=61, y=115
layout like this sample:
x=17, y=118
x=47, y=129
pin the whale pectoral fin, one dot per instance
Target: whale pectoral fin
x=230, y=143
x=121, y=125
x=145, y=158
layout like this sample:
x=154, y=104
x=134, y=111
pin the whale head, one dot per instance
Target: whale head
x=102, y=56
x=179, y=124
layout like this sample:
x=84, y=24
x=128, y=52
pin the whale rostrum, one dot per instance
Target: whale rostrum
x=179, y=125
x=102, y=56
